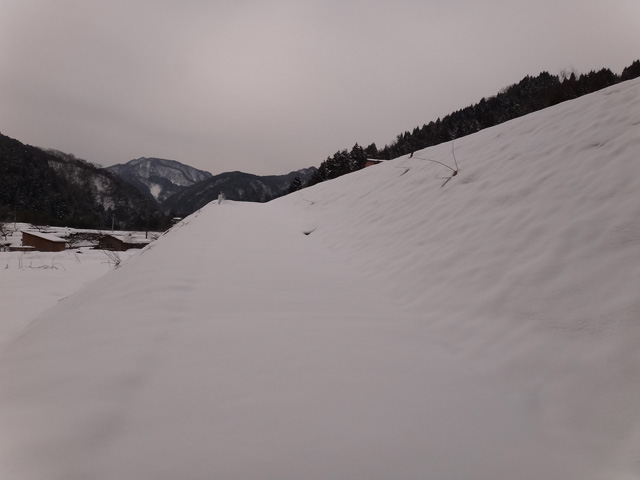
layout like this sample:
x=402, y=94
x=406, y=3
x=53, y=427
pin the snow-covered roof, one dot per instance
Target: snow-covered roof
x=137, y=240
x=45, y=236
x=129, y=238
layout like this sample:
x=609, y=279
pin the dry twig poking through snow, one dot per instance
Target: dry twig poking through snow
x=114, y=258
x=453, y=170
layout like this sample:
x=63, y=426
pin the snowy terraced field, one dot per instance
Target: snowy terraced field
x=32, y=282
x=376, y=326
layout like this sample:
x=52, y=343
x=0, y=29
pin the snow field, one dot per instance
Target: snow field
x=523, y=262
x=32, y=282
x=485, y=329
x=301, y=372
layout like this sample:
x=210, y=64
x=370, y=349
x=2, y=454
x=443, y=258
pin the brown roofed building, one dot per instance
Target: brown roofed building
x=372, y=161
x=43, y=242
x=121, y=243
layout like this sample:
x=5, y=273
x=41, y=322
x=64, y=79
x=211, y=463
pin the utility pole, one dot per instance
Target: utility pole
x=15, y=209
x=146, y=233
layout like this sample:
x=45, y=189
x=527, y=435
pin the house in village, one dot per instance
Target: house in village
x=120, y=243
x=42, y=242
x=372, y=161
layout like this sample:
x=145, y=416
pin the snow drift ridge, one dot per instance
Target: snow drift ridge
x=487, y=329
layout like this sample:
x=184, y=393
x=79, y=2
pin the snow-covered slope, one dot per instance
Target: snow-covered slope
x=376, y=326
x=32, y=282
x=525, y=263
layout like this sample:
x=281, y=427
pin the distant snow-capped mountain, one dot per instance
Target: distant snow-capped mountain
x=159, y=177
x=184, y=189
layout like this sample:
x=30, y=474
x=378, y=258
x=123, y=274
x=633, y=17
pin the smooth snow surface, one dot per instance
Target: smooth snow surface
x=375, y=326
x=32, y=282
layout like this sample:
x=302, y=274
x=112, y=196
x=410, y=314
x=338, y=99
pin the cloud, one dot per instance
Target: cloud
x=272, y=86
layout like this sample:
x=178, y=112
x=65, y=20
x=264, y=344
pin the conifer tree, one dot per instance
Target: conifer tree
x=296, y=184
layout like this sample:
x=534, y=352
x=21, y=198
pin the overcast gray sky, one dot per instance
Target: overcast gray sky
x=267, y=87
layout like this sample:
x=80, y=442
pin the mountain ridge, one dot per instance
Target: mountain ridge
x=235, y=185
x=159, y=177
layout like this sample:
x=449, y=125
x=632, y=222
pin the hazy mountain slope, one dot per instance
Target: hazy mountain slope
x=238, y=186
x=375, y=326
x=51, y=187
x=159, y=177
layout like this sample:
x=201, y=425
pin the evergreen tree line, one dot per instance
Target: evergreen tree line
x=343, y=162
x=527, y=96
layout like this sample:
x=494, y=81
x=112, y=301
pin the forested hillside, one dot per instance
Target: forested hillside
x=51, y=187
x=529, y=95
